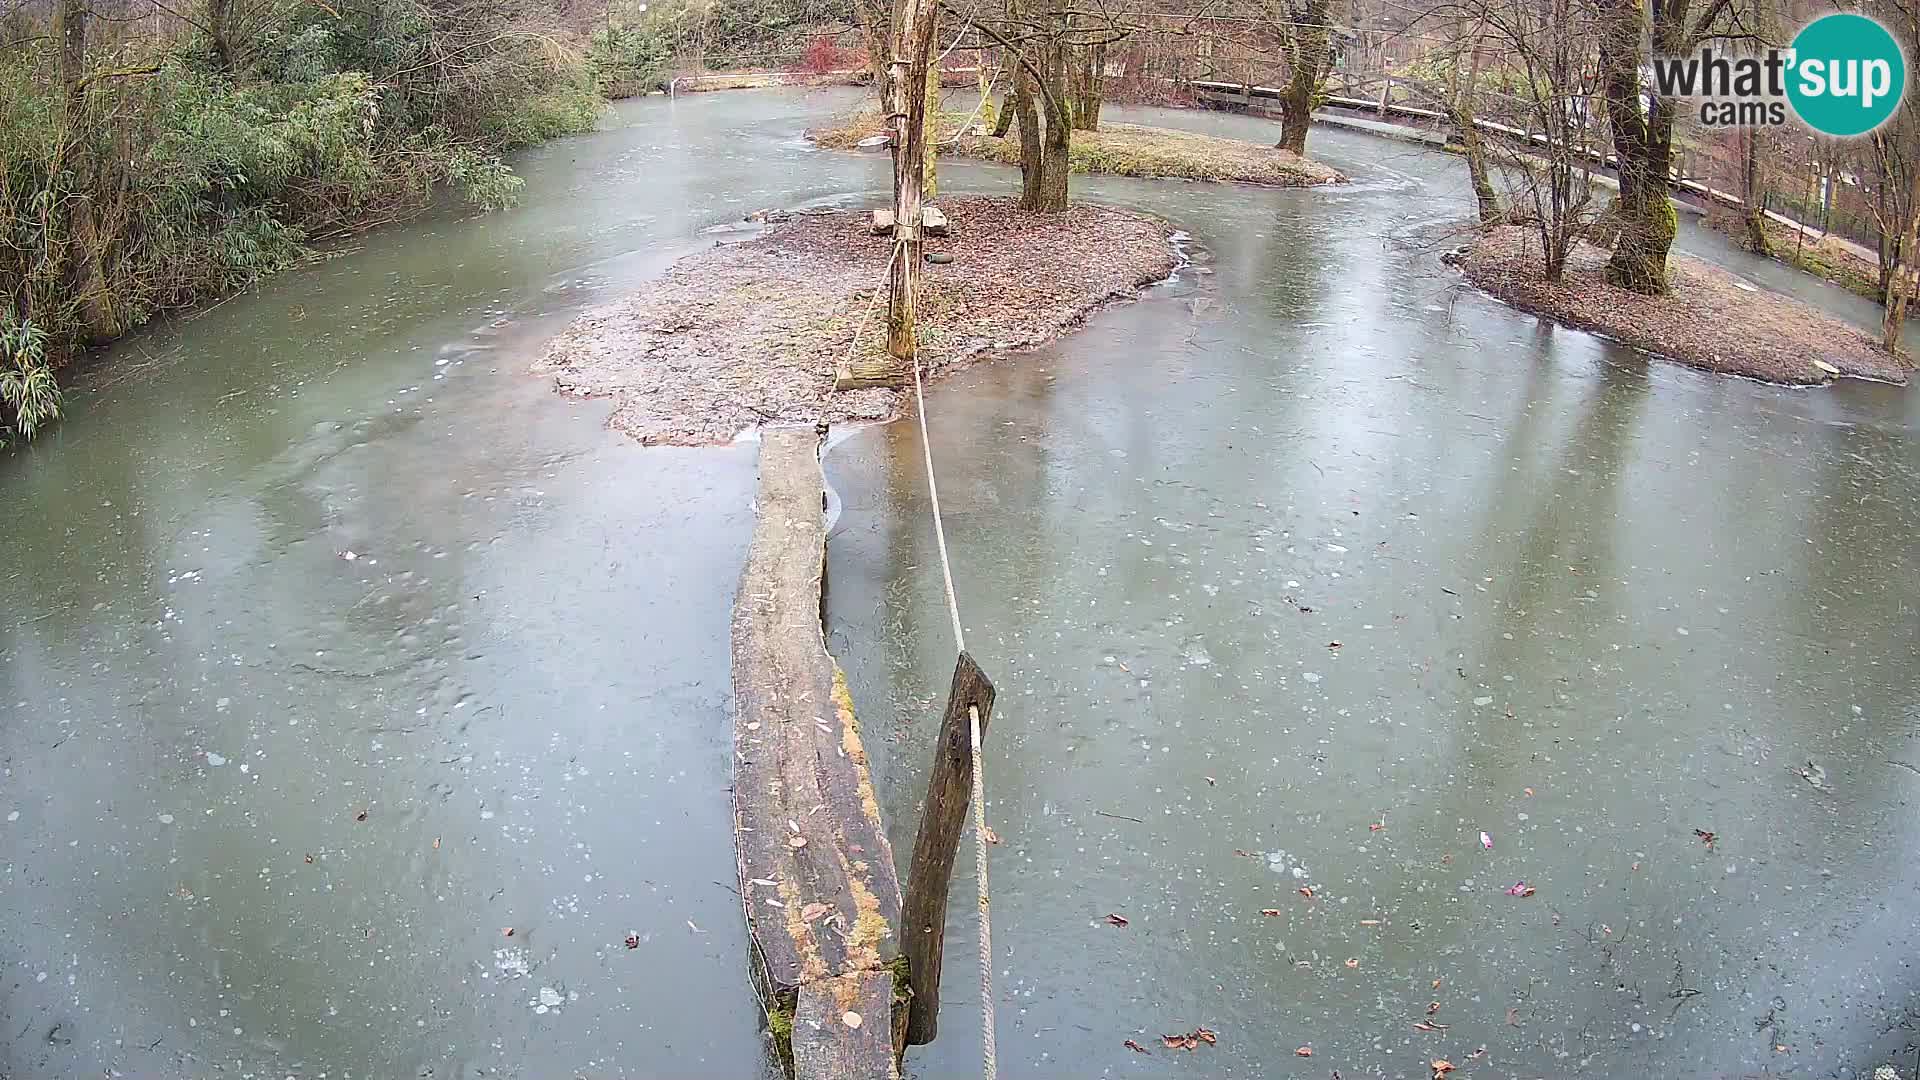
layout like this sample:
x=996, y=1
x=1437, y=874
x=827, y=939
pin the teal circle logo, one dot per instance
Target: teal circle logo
x=1848, y=75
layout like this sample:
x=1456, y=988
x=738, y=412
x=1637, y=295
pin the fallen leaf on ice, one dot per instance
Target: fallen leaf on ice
x=633, y=941
x=1270, y=912
x=992, y=837
x=1306, y=891
x=1428, y=1025
x=1516, y=888
x=1353, y=961
x=506, y=931
x=1513, y=1017
x=1134, y=1046
x=1305, y=1051
x=1206, y=1035
x=1116, y=920
x=1486, y=841
x=1432, y=1007
x=1477, y=1054
x=1441, y=1067
x=1436, y=984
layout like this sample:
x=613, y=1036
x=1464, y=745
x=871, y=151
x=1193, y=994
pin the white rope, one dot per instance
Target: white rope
x=939, y=530
x=898, y=245
x=990, y=1065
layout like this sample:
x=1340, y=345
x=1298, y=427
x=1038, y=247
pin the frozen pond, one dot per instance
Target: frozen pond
x=1646, y=595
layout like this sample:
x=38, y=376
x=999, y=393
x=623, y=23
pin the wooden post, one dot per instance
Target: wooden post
x=923, y=914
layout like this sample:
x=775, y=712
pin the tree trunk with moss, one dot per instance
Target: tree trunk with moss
x=1033, y=149
x=1468, y=126
x=1753, y=194
x=1643, y=150
x=1901, y=282
x=1059, y=133
x=1309, y=55
x=70, y=38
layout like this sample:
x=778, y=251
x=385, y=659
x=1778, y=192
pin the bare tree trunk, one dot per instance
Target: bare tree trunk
x=1308, y=55
x=86, y=246
x=876, y=30
x=1089, y=90
x=1484, y=196
x=70, y=36
x=1643, y=148
x=907, y=83
x=930, y=118
x=1033, y=149
x=1010, y=71
x=1901, y=282
x=1753, y=193
x=1059, y=135
x=219, y=19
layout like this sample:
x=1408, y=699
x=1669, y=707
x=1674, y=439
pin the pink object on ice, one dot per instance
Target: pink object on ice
x=1517, y=888
x=1486, y=841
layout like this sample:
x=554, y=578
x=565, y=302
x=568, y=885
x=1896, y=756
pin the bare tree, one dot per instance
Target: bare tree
x=1642, y=123
x=1307, y=34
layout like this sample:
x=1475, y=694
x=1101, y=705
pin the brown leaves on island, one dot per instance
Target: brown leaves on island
x=749, y=333
x=1191, y=1039
x=1707, y=319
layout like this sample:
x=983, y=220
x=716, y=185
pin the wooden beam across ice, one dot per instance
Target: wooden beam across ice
x=817, y=878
